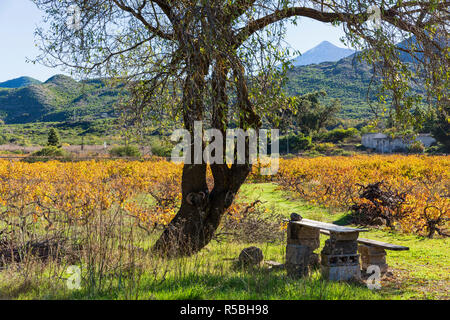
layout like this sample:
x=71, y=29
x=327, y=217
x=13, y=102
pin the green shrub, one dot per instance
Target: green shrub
x=125, y=151
x=436, y=149
x=49, y=153
x=416, y=147
x=297, y=143
x=337, y=135
x=161, y=148
x=324, y=147
x=341, y=152
x=313, y=153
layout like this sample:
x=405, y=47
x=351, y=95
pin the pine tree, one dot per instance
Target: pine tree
x=53, y=138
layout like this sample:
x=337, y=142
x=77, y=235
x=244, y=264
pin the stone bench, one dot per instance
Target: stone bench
x=373, y=252
x=339, y=258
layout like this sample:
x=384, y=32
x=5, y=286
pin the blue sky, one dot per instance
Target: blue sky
x=18, y=19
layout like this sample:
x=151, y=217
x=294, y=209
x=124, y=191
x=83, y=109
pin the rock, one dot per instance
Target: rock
x=296, y=217
x=251, y=256
x=378, y=221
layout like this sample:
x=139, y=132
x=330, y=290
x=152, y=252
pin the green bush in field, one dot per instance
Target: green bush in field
x=416, y=147
x=161, y=147
x=49, y=153
x=341, y=152
x=125, y=151
x=324, y=147
x=337, y=135
x=436, y=149
x=53, y=138
x=297, y=142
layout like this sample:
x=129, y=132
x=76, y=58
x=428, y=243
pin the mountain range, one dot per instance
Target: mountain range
x=62, y=98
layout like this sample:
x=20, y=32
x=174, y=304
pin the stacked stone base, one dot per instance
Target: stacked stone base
x=301, y=242
x=340, y=267
x=297, y=260
x=373, y=256
x=339, y=257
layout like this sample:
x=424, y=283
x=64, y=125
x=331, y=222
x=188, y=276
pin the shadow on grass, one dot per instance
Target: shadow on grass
x=343, y=221
x=248, y=284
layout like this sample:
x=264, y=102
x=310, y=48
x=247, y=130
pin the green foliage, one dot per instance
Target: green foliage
x=296, y=142
x=437, y=149
x=125, y=151
x=161, y=148
x=441, y=128
x=416, y=147
x=49, y=153
x=312, y=115
x=53, y=138
x=306, y=113
x=324, y=147
x=338, y=135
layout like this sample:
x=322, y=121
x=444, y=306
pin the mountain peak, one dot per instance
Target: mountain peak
x=59, y=78
x=326, y=43
x=323, y=52
x=19, y=83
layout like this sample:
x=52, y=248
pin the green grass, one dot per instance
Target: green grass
x=280, y=201
x=420, y=273
x=211, y=274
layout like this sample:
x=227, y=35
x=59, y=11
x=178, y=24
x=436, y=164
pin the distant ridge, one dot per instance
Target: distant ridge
x=62, y=98
x=19, y=83
x=324, y=52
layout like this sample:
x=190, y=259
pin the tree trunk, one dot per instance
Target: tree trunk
x=201, y=211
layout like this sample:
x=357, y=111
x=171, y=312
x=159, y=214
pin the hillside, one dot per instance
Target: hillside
x=347, y=79
x=19, y=82
x=60, y=98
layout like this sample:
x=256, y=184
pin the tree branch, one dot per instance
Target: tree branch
x=236, y=9
x=138, y=15
x=279, y=15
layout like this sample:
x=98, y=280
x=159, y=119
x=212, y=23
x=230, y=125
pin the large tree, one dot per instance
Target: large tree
x=215, y=61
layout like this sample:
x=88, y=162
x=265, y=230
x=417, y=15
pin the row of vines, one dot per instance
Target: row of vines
x=408, y=193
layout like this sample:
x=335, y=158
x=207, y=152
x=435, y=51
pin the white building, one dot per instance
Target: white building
x=385, y=144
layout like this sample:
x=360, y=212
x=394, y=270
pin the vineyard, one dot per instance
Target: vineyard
x=409, y=193
x=418, y=186
x=106, y=214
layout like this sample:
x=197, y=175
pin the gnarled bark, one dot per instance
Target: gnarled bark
x=201, y=210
